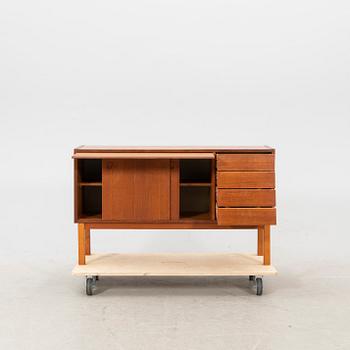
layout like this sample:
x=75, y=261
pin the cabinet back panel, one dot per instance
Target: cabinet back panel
x=195, y=170
x=90, y=170
x=91, y=201
x=194, y=200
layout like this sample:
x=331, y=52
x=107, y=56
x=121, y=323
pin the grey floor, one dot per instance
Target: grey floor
x=44, y=307
x=306, y=306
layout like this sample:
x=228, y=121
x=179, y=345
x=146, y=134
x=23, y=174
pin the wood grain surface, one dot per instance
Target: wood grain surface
x=136, y=190
x=245, y=179
x=245, y=198
x=246, y=216
x=256, y=162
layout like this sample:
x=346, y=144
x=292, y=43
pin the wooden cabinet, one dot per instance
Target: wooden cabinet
x=175, y=187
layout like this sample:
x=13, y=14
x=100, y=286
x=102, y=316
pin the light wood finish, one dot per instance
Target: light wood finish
x=246, y=216
x=140, y=155
x=81, y=244
x=267, y=245
x=245, y=180
x=87, y=240
x=245, y=198
x=136, y=189
x=251, y=162
x=174, y=189
x=260, y=240
x=170, y=264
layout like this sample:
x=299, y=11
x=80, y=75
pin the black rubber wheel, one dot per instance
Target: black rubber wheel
x=251, y=278
x=259, y=286
x=89, y=285
x=97, y=278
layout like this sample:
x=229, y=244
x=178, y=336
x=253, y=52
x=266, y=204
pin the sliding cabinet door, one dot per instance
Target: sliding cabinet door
x=136, y=189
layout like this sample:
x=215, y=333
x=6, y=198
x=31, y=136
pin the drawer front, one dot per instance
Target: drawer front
x=245, y=198
x=254, y=162
x=246, y=216
x=245, y=179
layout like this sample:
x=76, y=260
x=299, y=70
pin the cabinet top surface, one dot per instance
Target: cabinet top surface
x=239, y=149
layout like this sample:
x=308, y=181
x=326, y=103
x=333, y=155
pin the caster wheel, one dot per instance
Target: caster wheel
x=251, y=278
x=89, y=285
x=97, y=278
x=259, y=286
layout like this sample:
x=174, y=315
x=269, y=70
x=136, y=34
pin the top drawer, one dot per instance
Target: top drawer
x=250, y=162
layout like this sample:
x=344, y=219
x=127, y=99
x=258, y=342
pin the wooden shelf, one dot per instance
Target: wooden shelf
x=93, y=217
x=194, y=184
x=174, y=264
x=195, y=216
x=90, y=184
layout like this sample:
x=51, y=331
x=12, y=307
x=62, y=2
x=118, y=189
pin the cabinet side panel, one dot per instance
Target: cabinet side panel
x=77, y=192
x=213, y=190
x=136, y=190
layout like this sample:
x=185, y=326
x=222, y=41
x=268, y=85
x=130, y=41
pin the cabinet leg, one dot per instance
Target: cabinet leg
x=81, y=244
x=260, y=240
x=87, y=240
x=267, y=249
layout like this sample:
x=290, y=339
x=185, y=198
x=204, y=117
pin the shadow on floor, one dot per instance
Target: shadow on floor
x=176, y=286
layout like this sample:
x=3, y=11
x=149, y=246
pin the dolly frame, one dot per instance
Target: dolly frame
x=90, y=266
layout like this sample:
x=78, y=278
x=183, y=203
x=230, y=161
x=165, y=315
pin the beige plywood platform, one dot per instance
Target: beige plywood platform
x=174, y=264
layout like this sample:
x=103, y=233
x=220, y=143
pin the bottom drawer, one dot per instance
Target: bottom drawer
x=246, y=216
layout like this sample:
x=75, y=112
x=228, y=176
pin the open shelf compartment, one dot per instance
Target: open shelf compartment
x=195, y=202
x=195, y=171
x=196, y=189
x=89, y=183
x=91, y=201
x=90, y=171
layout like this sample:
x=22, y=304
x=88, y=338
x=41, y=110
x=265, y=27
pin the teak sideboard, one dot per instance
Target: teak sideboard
x=174, y=188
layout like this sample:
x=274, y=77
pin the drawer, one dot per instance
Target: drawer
x=245, y=179
x=245, y=198
x=246, y=216
x=254, y=162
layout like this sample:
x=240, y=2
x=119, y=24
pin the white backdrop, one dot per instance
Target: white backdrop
x=175, y=73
